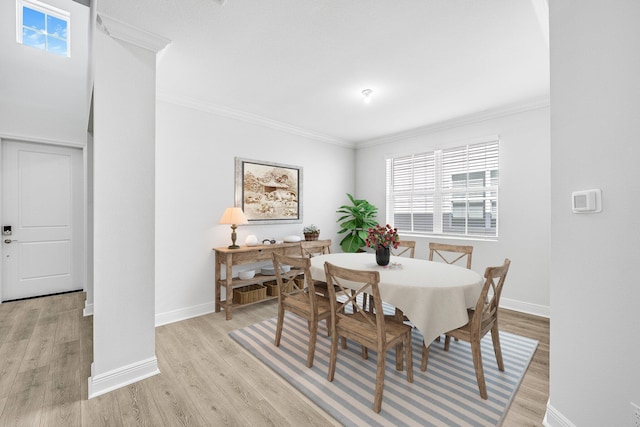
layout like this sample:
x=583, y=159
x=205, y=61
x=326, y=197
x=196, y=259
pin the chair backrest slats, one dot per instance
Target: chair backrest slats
x=445, y=251
x=361, y=282
x=289, y=282
x=311, y=248
x=407, y=247
x=486, y=310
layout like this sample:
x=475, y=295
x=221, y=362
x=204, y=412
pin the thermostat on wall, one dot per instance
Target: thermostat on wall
x=587, y=201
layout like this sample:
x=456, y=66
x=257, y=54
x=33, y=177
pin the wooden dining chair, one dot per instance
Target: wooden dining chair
x=312, y=248
x=300, y=300
x=482, y=319
x=370, y=330
x=451, y=254
x=405, y=248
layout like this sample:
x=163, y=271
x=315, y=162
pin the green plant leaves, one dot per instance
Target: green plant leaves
x=355, y=221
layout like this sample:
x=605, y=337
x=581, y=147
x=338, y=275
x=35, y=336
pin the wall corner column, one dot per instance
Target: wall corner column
x=124, y=204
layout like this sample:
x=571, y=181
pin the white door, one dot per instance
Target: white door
x=42, y=196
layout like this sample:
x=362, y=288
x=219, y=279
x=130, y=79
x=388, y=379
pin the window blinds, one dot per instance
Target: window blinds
x=452, y=191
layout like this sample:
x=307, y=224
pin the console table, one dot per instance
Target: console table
x=245, y=255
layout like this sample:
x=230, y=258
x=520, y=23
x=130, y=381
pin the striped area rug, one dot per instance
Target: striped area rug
x=446, y=395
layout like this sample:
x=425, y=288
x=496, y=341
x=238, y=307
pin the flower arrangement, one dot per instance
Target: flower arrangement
x=382, y=237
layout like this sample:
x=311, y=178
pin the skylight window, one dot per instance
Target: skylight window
x=43, y=26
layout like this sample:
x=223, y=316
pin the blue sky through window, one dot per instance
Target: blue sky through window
x=44, y=31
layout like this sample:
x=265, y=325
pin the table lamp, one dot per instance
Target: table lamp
x=233, y=216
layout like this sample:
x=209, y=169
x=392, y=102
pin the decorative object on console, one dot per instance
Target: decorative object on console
x=233, y=216
x=251, y=240
x=246, y=274
x=269, y=193
x=269, y=270
x=311, y=232
x=292, y=239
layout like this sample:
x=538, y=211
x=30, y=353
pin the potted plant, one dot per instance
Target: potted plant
x=382, y=238
x=311, y=232
x=356, y=219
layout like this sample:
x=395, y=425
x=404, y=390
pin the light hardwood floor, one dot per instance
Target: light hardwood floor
x=206, y=379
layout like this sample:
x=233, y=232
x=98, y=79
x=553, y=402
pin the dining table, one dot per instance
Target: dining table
x=433, y=295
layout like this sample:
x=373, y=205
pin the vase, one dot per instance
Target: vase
x=382, y=256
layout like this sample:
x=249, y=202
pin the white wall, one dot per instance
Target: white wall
x=124, y=215
x=523, y=199
x=44, y=96
x=195, y=183
x=595, y=345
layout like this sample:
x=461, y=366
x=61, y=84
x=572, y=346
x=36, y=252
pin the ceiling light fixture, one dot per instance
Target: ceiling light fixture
x=367, y=95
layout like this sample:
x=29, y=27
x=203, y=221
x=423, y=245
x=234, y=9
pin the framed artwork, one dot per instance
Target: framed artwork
x=269, y=193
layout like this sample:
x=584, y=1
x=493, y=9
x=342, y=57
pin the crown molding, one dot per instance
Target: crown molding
x=250, y=118
x=130, y=34
x=457, y=122
x=40, y=140
x=541, y=8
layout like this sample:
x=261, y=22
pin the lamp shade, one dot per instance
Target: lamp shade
x=233, y=216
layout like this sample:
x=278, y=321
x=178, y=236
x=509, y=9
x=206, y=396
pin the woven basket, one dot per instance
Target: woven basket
x=249, y=293
x=272, y=287
x=311, y=236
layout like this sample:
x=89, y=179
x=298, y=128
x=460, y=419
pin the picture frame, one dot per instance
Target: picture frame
x=267, y=192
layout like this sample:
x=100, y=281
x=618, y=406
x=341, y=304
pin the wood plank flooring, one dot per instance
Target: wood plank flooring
x=206, y=379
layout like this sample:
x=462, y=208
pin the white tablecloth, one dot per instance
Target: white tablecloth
x=433, y=295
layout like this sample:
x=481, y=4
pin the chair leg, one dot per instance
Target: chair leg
x=399, y=316
x=447, y=342
x=425, y=356
x=495, y=337
x=279, y=326
x=333, y=355
x=313, y=334
x=477, y=363
x=409, y=356
x=377, y=399
x=365, y=352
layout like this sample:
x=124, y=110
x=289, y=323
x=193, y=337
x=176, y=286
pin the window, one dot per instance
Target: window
x=43, y=27
x=449, y=192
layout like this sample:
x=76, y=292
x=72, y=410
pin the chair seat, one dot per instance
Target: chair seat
x=299, y=304
x=465, y=331
x=394, y=330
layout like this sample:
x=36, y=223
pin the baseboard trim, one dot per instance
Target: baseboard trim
x=184, y=313
x=525, y=307
x=121, y=377
x=553, y=418
x=207, y=308
x=88, y=309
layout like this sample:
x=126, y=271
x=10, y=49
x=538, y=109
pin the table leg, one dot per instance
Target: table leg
x=217, y=288
x=228, y=299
